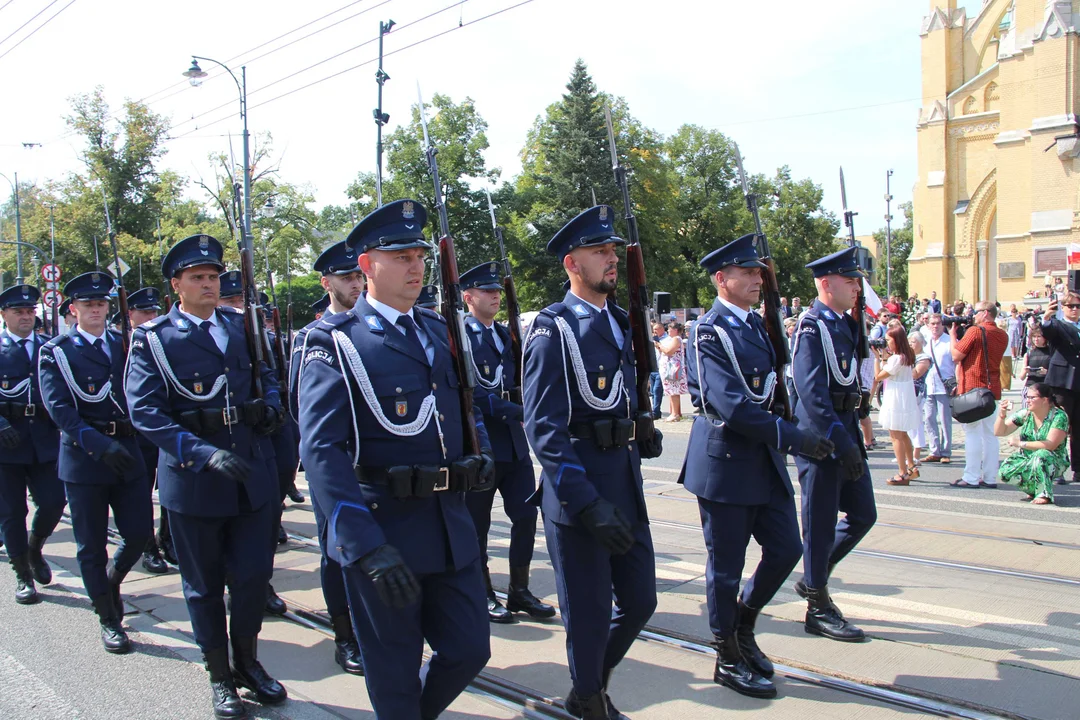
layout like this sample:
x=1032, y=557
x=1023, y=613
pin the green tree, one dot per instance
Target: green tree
x=902, y=240
x=460, y=135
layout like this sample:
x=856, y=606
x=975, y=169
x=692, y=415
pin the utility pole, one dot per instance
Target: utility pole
x=381, y=118
x=888, y=232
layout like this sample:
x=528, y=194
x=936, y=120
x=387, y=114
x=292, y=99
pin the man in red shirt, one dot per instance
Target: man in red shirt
x=979, y=366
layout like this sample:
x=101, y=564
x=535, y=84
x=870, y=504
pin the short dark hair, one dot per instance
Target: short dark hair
x=1044, y=391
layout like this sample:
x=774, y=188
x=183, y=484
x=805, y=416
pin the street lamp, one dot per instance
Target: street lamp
x=888, y=233
x=18, y=226
x=195, y=75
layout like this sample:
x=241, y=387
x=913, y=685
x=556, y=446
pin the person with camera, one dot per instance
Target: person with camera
x=1040, y=445
x=978, y=357
x=1063, y=374
x=940, y=387
x=899, y=407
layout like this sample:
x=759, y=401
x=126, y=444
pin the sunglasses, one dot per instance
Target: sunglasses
x=1071, y=306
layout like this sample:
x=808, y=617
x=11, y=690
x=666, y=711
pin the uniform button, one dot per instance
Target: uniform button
x=374, y=506
x=340, y=549
x=442, y=418
x=727, y=455
x=190, y=463
x=504, y=417
x=232, y=394
x=226, y=369
x=397, y=390
x=196, y=374
x=90, y=453
x=234, y=446
x=434, y=386
x=755, y=369
x=563, y=504
x=601, y=368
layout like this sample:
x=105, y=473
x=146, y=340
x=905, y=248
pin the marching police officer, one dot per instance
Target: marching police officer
x=191, y=390
x=429, y=297
x=319, y=307
x=232, y=297
x=143, y=306
x=580, y=411
x=29, y=443
x=499, y=398
x=735, y=464
x=344, y=282
x=82, y=387
x=382, y=443
x=826, y=372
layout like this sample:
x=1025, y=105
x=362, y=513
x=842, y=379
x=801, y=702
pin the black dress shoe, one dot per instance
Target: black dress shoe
x=38, y=566
x=594, y=707
x=734, y=672
x=519, y=599
x=227, y=702
x=274, y=604
x=249, y=673
x=295, y=495
x=282, y=536
x=168, y=551
x=113, y=637
x=153, y=563
x=744, y=636
x=346, y=649
x=25, y=592
x=497, y=613
x=823, y=618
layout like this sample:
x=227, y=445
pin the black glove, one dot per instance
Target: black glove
x=653, y=447
x=270, y=421
x=852, y=465
x=118, y=459
x=486, y=474
x=608, y=526
x=395, y=582
x=10, y=438
x=228, y=465
x=815, y=446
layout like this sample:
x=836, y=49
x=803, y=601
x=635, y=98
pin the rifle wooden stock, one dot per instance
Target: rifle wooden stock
x=252, y=326
x=774, y=328
x=453, y=309
x=125, y=319
x=279, y=360
x=638, y=311
x=513, y=316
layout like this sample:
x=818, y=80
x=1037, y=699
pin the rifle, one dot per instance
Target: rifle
x=253, y=326
x=639, y=305
x=277, y=349
x=121, y=292
x=774, y=325
x=164, y=281
x=862, y=342
x=288, y=306
x=513, y=309
x=451, y=303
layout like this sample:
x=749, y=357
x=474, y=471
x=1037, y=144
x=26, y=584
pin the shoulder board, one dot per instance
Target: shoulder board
x=473, y=325
x=157, y=322
x=114, y=334
x=59, y=340
x=553, y=310
x=431, y=314
x=229, y=309
x=334, y=321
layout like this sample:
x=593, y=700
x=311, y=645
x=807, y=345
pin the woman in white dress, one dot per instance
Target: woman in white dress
x=918, y=375
x=899, y=407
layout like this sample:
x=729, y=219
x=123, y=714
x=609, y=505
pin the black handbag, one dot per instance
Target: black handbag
x=948, y=383
x=977, y=404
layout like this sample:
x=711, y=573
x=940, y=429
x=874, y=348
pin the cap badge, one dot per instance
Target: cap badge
x=603, y=213
x=408, y=210
x=95, y=278
x=494, y=268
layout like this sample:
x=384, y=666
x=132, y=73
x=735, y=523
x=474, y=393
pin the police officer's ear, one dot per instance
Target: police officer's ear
x=363, y=261
x=569, y=264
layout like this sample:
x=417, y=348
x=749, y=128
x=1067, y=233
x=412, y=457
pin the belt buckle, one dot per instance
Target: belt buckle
x=230, y=416
x=633, y=433
x=858, y=401
x=30, y=410
x=443, y=486
x=505, y=395
x=110, y=429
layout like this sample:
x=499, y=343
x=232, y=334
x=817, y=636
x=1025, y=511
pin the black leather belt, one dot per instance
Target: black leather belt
x=421, y=481
x=846, y=402
x=12, y=410
x=208, y=421
x=113, y=428
x=606, y=432
x=513, y=395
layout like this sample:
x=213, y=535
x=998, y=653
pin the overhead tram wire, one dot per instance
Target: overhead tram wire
x=31, y=33
x=6, y=4
x=16, y=30
x=187, y=86
x=400, y=28
x=356, y=67
x=184, y=85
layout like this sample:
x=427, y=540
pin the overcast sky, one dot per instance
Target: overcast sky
x=811, y=85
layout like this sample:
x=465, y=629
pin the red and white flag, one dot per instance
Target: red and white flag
x=1074, y=254
x=873, y=302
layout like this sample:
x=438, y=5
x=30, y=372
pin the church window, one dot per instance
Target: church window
x=991, y=97
x=970, y=105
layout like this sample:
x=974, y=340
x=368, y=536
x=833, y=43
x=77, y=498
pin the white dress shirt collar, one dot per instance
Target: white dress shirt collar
x=735, y=310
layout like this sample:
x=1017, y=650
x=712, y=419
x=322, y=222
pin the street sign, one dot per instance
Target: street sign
x=50, y=273
x=124, y=267
x=49, y=285
x=52, y=298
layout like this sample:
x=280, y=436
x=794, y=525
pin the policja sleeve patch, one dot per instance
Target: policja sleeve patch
x=320, y=355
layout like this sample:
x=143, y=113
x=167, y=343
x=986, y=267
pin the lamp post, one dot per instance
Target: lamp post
x=888, y=233
x=381, y=118
x=18, y=227
x=195, y=75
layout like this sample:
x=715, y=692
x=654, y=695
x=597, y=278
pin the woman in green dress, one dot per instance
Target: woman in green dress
x=1040, y=454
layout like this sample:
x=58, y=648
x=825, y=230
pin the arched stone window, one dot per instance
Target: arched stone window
x=970, y=106
x=991, y=97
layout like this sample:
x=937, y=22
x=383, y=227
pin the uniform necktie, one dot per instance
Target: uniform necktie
x=412, y=333
x=489, y=338
x=605, y=326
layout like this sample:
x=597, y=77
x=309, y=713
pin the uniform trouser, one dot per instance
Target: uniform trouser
x=516, y=483
x=333, y=582
x=1069, y=401
x=150, y=459
x=937, y=421
x=728, y=529
x=983, y=452
x=587, y=577
x=89, y=505
x=209, y=548
x=451, y=616
x=824, y=494
x=47, y=493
